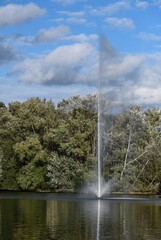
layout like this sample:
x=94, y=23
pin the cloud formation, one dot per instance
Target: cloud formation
x=52, y=34
x=149, y=37
x=82, y=38
x=132, y=79
x=111, y=8
x=72, y=14
x=15, y=14
x=142, y=5
x=74, y=17
x=119, y=67
x=76, y=20
x=129, y=78
x=7, y=53
x=64, y=65
x=121, y=23
x=157, y=3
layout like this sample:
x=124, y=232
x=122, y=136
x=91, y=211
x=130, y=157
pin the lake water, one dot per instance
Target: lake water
x=34, y=216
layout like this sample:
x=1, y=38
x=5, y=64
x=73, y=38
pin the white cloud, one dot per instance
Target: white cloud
x=68, y=2
x=142, y=5
x=52, y=34
x=82, y=38
x=69, y=55
x=157, y=3
x=148, y=95
x=74, y=17
x=72, y=14
x=64, y=65
x=7, y=53
x=121, y=23
x=132, y=79
x=75, y=20
x=21, y=40
x=14, y=14
x=129, y=79
x=57, y=20
x=119, y=67
x=149, y=37
x=111, y=8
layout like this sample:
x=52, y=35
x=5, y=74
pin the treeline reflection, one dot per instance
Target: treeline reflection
x=81, y=220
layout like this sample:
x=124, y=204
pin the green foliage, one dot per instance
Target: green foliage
x=31, y=131
x=9, y=174
x=33, y=161
x=47, y=148
x=1, y=157
x=64, y=173
x=32, y=177
x=75, y=136
x=2, y=105
x=26, y=151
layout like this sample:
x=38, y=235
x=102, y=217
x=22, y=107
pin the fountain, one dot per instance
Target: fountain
x=105, y=52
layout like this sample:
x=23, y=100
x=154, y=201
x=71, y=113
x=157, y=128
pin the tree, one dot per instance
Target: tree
x=40, y=144
x=88, y=103
x=75, y=137
x=32, y=161
x=131, y=158
x=1, y=157
x=64, y=173
x=2, y=105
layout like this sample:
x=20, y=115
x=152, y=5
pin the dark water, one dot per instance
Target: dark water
x=70, y=217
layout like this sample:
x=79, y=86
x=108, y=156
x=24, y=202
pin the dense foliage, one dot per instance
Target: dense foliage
x=133, y=158
x=43, y=148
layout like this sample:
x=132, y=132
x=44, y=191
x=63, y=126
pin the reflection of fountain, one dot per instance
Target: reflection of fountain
x=98, y=220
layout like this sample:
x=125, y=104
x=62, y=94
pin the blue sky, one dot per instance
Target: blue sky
x=51, y=49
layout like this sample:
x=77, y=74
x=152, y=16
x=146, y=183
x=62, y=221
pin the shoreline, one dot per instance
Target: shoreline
x=78, y=192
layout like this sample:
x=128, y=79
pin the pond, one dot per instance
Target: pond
x=45, y=216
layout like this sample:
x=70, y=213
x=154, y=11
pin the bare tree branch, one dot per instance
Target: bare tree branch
x=127, y=151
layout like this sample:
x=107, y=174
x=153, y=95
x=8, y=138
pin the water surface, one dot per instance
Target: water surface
x=74, y=217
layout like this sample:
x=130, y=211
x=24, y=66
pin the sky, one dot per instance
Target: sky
x=51, y=49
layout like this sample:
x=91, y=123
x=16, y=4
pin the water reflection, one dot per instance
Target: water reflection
x=81, y=220
x=98, y=220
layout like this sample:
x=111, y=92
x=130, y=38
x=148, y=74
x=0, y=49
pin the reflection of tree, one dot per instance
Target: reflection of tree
x=23, y=219
x=129, y=220
x=117, y=220
x=142, y=221
x=51, y=219
x=66, y=220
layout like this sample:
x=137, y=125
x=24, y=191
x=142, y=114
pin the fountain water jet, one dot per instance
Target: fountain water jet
x=99, y=188
x=105, y=52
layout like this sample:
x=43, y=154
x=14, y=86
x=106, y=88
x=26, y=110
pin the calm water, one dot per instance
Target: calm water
x=68, y=217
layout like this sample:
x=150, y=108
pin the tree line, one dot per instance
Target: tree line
x=44, y=147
